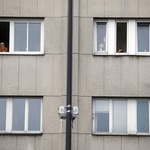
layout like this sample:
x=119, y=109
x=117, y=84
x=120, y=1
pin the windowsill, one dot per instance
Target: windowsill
x=100, y=53
x=120, y=134
x=21, y=53
x=20, y=133
x=120, y=54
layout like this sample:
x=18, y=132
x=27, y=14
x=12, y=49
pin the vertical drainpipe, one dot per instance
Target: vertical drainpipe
x=69, y=77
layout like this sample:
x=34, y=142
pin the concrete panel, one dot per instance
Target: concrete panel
x=44, y=74
x=55, y=142
x=28, y=8
x=75, y=35
x=76, y=8
x=64, y=35
x=74, y=142
x=129, y=143
x=53, y=35
x=130, y=8
x=144, y=10
x=63, y=122
x=129, y=76
x=83, y=6
x=75, y=102
x=82, y=75
x=144, y=74
x=95, y=76
x=112, y=76
x=65, y=8
x=1, y=8
x=94, y=142
x=27, y=75
x=144, y=143
x=43, y=142
x=62, y=141
x=96, y=8
x=25, y=143
x=58, y=8
x=75, y=75
x=8, y=142
x=81, y=142
x=113, y=8
x=10, y=74
x=46, y=8
x=85, y=115
x=56, y=81
x=11, y=8
x=64, y=74
x=86, y=36
x=51, y=121
x=112, y=143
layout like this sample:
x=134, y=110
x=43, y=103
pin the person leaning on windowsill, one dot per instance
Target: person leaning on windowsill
x=3, y=48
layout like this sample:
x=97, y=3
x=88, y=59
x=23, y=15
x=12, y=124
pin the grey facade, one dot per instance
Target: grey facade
x=93, y=76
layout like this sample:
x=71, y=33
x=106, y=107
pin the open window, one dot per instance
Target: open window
x=22, y=36
x=121, y=39
x=4, y=33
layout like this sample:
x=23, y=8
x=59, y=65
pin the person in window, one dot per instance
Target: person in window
x=3, y=48
x=120, y=50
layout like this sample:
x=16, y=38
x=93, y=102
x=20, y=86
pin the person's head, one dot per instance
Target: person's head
x=119, y=48
x=2, y=44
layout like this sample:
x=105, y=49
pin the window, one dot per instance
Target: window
x=121, y=116
x=121, y=37
x=143, y=37
x=22, y=36
x=101, y=38
x=20, y=115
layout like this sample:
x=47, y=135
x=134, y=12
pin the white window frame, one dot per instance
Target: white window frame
x=11, y=36
x=131, y=118
x=95, y=37
x=9, y=118
x=142, y=53
x=132, y=37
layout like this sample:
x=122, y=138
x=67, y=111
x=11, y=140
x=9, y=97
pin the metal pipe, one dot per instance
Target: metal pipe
x=69, y=77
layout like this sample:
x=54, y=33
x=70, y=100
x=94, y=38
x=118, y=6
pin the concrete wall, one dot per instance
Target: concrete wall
x=45, y=75
x=121, y=76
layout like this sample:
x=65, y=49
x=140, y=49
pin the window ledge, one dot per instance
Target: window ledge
x=20, y=133
x=121, y=134
x=21, y=53
x=121, y=54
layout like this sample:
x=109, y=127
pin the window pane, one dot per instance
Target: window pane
x=121, y=37
x=34, y=36
x=102, y=122
x=143, y=38
x=3, y=114
x=142, y=116
x=119, y=116
x=34, y=114
x=101, y=36
x=18, y=114
x=102, y=116
x=20, y=37
x=4, y=35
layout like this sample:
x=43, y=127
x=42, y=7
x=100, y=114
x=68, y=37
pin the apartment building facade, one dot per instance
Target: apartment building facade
x=110, y=74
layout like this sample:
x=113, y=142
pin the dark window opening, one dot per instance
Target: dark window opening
x=4, y=33
x=121, y=37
